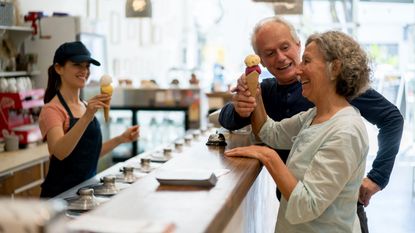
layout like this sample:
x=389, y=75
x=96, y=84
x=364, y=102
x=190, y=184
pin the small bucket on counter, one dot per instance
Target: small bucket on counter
x=11, y=142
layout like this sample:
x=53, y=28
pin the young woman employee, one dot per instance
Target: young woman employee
x=68, y=123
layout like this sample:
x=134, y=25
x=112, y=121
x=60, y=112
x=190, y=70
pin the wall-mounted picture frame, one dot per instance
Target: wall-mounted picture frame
x=145, y=32
x=156, y=34
x=115, y=27
x=132, y=29
x=92, y=9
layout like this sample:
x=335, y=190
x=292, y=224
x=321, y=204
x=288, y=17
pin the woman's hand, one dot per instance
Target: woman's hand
x=95, y=103
x=284, y=179
x=129, y=135
x=256, y=152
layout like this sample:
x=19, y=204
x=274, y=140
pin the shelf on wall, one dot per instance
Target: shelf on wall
x=18, y=73
x=16, y=28
x=17, y=34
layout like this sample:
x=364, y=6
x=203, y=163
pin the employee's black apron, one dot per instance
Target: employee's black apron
x=78, y=166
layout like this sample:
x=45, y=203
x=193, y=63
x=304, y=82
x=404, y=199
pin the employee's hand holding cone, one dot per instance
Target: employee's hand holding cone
x=106, y=88
x=252, y=72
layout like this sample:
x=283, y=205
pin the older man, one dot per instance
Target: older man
x=277, y=44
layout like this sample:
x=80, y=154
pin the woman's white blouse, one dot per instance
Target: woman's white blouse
x=328, y=159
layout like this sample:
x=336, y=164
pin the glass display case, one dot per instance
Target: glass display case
x=120, y=121
x=159, y=128
x=163, y=116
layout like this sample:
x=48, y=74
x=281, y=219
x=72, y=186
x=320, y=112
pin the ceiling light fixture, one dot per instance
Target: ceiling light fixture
x=138, y=8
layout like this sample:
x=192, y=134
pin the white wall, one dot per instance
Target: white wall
x=148, y=48
x=74, y=7
x=137, y=48
x=384, y=23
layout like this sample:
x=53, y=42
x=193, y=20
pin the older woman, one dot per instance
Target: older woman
x=329, y=143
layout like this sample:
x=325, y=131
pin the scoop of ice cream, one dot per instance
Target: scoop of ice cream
x=252, y=60
x=105, y=80
x=106, y=86
x=256, y=68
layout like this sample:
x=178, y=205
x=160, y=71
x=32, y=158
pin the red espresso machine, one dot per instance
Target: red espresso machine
x=19, y=113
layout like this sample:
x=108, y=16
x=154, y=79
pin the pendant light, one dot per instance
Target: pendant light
x=138, y=8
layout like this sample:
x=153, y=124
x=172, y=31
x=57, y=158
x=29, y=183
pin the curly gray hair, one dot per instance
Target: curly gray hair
x=353, y=78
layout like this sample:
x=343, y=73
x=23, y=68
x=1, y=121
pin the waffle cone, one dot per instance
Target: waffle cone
x=252, y=81
x=107, y=89
x=107, y=112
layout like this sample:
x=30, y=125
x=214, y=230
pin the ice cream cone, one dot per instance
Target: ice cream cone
x=252, y=81
x=106, y=88
x=252, y=72
x=107, y=112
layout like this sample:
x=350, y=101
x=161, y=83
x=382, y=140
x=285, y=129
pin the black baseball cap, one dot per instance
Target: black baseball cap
x=75, y=52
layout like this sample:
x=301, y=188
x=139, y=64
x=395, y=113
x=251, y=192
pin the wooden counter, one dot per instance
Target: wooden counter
x=12, y=160
x=23, y=171
x=196, y=209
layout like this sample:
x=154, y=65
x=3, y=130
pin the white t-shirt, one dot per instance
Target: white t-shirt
x=328, y=159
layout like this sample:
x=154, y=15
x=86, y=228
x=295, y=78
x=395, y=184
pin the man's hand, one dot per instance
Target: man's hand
x=242, y=100
x=367, y=190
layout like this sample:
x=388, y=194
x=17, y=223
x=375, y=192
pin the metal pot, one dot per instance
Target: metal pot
x=86, y=200
x=127, y=175
x=167, y=151
x=107, y=188
x=196, y=134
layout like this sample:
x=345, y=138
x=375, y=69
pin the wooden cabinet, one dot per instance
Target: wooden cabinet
x=30, y=192
x=25, y=181
x=6, y=185
x=23, y=171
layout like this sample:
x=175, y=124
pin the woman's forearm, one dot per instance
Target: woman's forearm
x=110, y=145
x=67, y=143
x=259, y=116
x=284, y=179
